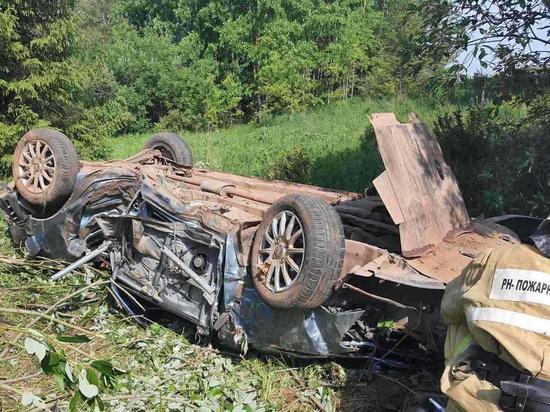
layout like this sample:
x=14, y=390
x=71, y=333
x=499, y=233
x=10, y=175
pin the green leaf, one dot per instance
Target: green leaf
x=103, y=366
x=91, y=375
x=386, y=324
x=155, y=328
x=214, y=393
x=54, y=359
x=60, y=380
x=45, y=364
x=73, y=339
x=76, y=401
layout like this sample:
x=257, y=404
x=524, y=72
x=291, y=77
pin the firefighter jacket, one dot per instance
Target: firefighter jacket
x=499, y=304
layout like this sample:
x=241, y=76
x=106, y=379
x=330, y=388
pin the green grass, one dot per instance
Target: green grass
x=338, y=140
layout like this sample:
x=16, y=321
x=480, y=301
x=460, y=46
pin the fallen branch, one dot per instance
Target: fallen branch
x=50, y=318
x=149, y=395
x=39, y=306
x=11, y=388
x=316, y=403
x=53, y=307
x=312, y=399
x=21, y=378
x=39, y=286
x=5, y=342
x=40, y=265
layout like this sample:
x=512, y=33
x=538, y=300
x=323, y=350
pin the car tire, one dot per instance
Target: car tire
x=45, y=165
x=316, y=254
x=172, y=146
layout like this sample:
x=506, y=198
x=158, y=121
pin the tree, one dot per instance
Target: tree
x=514, y=33
x=35, y=75
x=286, y=55
x=507, y=169
x=507, y=37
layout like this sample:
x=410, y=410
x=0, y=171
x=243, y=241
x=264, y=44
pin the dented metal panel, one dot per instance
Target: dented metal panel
x=418, y=187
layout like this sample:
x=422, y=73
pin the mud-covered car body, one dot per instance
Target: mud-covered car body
x=181, y=238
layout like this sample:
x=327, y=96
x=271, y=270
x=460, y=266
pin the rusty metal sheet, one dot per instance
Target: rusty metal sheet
x=332, y=196
x=449, y=258
x=397, y=270
x=358, y=254
x=425, y=190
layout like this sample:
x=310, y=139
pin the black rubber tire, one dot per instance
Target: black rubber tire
x=172, y=146
x=323, y=255
x=67, y=166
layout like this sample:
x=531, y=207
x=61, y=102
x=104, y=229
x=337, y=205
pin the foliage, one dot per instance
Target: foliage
x=510, y=39
x=291, y=166
x=150, y=79
x=339, y=144
x=332, y=137
x=507, y=35
x=478, y=143
x=83, y=381
x=34, y=45
x=102, y=68
x=498, y=162
x=37, y=79
x=254, y=59
x=164, y=370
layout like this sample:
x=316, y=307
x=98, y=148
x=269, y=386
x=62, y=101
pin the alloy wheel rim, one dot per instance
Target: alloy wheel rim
x=282, y=252
x=37, y=166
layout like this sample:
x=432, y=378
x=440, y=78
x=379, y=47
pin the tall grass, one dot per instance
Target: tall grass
x=338, y=140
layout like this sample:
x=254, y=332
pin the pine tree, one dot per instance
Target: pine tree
x=36, y=78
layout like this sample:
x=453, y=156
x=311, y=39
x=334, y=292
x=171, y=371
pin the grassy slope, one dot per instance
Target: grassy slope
x=337, y=138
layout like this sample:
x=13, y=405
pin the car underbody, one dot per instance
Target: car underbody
x=182, y=238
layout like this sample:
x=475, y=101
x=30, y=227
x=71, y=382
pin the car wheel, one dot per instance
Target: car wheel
x=45, y=165
x=172, y=146
x=298, y=253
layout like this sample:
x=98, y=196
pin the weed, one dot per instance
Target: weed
x=291, y=166
x=332, y=137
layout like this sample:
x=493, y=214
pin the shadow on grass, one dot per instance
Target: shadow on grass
x=352, y=169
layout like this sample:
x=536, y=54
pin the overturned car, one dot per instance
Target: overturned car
x=276, y=266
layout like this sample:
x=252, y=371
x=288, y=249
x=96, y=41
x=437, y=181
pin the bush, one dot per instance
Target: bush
x=501, y=165
x=291, y=166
